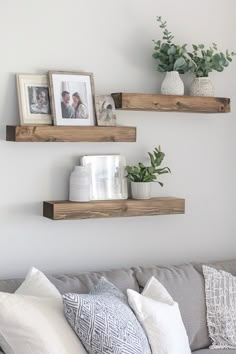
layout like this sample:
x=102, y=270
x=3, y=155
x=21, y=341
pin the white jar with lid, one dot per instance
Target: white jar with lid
x=80, y=183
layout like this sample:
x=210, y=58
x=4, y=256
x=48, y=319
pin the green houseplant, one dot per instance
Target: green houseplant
x=141, y=176
x=204, y=60
x=172, y=59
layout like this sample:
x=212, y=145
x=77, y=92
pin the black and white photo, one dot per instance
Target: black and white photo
x=33, y=98
x=39, y=100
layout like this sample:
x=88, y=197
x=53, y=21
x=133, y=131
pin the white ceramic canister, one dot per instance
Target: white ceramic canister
x=80, y=184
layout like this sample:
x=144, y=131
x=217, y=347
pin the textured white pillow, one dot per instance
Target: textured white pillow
x=161, y=319
x=220, y=288
x=32, y=320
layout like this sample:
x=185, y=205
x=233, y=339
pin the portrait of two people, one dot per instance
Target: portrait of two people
x=72, y=106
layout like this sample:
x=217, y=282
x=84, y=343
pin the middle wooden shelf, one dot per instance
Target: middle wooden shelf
x=66, y=210
x=51, y=133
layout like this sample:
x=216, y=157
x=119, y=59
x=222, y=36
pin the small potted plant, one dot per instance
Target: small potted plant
x=203, y=61
x=142, y=176
x=172, y=59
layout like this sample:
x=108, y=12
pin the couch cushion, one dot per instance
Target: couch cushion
x=227, y=266
x=186, y=285
x=82, y=283
x=215, y=351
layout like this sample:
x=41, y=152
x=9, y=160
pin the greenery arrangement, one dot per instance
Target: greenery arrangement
x=171, y=57
x=141, y=173
x=201, y=61
x=205, y=60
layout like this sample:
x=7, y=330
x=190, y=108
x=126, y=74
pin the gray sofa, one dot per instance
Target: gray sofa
x=185, y=283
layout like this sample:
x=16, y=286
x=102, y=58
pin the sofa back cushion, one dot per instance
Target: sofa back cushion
x=228, y=266
x=82, y=283
x=186, y=286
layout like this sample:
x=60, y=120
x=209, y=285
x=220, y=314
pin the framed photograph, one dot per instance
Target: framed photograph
x=33, y=98
x=108, y=179
x=105, y=110
x=72, y=98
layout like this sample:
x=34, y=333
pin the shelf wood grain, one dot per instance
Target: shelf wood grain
x=66, y=210
x=50, y=133
x=166, y=103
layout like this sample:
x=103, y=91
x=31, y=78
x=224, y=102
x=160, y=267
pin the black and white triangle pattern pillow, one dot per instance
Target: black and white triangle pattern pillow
x=104, y=321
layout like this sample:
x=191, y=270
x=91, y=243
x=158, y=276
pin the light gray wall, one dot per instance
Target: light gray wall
x=113, y=40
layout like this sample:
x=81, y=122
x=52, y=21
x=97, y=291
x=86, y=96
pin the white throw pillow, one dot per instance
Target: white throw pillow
x=32, y=320
x=161, y=319
x=37, y=284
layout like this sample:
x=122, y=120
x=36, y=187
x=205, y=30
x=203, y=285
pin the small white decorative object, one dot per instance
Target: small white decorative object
x=172, y=84
x=105, y=110
x=80, y=184
x=141, y=190
x=202, y=86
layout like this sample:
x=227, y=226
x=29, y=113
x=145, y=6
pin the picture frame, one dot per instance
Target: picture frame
x=105, y=110
x=33, y=99
x=108, y=176
x=72, y=98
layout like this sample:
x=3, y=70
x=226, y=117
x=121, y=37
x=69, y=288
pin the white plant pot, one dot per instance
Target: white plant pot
x=172, y=84
x=141, y=190
x=202, y=86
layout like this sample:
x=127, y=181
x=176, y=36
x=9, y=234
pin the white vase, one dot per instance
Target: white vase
x=141, y=190
x=80, y=184
x=172, y=84
x=202, y=86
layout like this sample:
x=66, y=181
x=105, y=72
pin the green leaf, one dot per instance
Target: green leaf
x=155, y=55
x=172, y=50
x=165, y=47
x=141, y=165
x=151, y=158
x=180, y=64
x=161, y=69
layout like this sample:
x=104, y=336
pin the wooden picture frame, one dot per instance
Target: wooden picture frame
x=33, y=99
x=72, y=98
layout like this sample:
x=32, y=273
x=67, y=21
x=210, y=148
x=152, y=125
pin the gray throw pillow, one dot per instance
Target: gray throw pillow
x=104, y=321
x=220, y=288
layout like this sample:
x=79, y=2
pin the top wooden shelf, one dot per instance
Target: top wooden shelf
x=166, y=103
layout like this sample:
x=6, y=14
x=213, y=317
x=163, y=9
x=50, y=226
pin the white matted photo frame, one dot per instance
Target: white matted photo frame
x=72, y=98
x=33, y=99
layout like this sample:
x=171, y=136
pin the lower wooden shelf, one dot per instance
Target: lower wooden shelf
x=66, y=210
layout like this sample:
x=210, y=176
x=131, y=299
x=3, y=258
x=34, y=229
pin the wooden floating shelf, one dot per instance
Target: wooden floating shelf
x=65, y=210
x=50, y=133
x=166, y=103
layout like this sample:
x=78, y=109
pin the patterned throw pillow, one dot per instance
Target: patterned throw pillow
x=220, y=288
x=104, y=321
